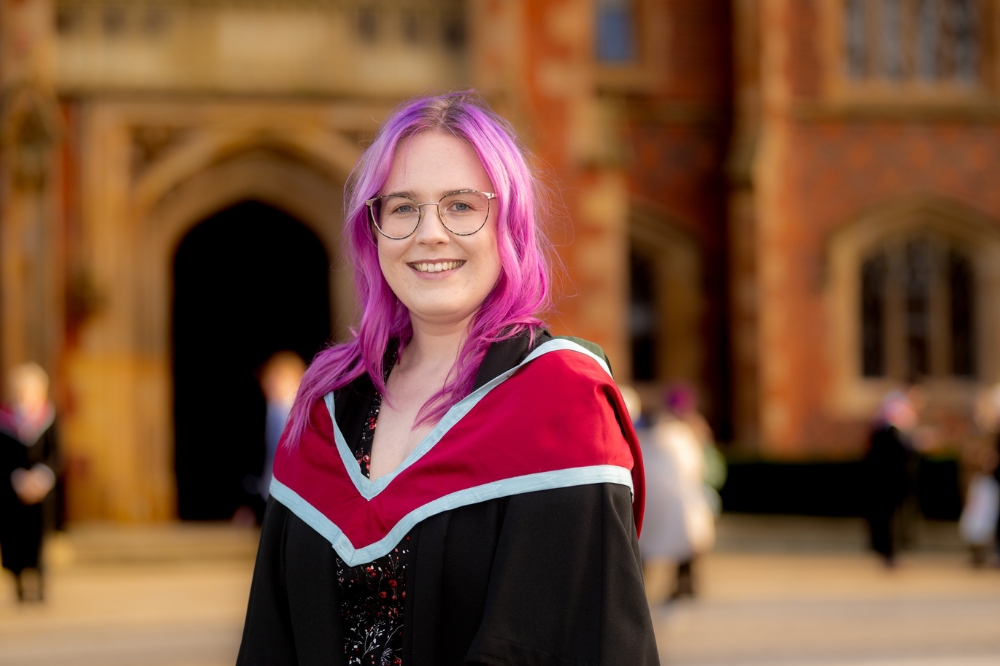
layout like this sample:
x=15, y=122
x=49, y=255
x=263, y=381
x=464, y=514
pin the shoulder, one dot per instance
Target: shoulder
x=592, y=347
x=573, y=356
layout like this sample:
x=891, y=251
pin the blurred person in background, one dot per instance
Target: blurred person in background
x=29, y=464
x=979, y=525
x=473, y=475
x=279, y=381
x=679, y=522
x=888, y=465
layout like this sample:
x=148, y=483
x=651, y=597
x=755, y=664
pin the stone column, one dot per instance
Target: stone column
x=742, y=223
x=30, y=275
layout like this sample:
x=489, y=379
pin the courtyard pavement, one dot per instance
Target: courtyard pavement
x=791, y=592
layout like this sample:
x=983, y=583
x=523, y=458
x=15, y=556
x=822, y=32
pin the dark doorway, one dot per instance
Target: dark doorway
x=248, y=281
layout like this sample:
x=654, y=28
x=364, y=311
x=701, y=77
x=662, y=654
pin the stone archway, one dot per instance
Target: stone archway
x=260, y=174
x=149, y=171
x=248, y=281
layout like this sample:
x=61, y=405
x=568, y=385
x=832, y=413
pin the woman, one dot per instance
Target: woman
x=888, y=464
x=28, y=469
x=474, y=476
x=680, y=524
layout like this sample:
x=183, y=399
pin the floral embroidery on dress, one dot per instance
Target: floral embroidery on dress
x=373, y=595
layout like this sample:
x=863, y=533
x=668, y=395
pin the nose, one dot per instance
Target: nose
x=431, y=230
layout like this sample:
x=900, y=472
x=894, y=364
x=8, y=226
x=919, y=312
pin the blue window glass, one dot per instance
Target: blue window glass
x=616, y=31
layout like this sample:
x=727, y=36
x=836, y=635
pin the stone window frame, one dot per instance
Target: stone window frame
x=677, y=263
x=841, y=89
x=647, y=71
x=976, y=236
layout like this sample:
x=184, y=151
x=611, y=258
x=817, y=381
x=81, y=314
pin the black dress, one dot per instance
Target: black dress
x=551, y=577
x=373, y=594
x=22, y=525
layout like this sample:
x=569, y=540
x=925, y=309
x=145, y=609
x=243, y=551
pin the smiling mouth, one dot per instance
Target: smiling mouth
x=435, y=266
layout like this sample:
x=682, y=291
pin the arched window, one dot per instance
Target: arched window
x=909, y=288
x=917, y=309
x=643, y=316
x=666, y=301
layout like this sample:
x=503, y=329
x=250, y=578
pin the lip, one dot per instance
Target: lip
x=435, y=268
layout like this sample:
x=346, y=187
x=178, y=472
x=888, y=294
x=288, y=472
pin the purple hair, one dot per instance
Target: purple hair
x=520, y=294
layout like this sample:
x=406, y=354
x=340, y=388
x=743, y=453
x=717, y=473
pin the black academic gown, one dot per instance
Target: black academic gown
x=22, y=525
x=887, y=466
x=545, y=578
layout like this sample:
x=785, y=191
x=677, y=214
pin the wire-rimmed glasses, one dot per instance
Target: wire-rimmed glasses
x=462, y=212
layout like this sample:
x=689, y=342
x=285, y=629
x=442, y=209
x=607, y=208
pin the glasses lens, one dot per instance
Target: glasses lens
x=395, y=216
x=465, y=212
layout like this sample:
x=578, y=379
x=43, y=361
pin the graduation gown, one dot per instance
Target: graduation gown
x=21, y=525
x=887, y=465
x=550, y=576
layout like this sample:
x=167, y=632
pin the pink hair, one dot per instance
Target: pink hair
x=521, y=292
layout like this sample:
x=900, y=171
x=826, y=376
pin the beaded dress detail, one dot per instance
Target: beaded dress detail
x=373, y=595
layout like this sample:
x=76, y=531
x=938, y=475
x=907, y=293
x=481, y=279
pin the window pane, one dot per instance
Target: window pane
x=906, y=40
x=855, y=38
x=963, y=359
x=616, y=31
x=927, y=39
x=642, y=317
x=918, y=277
x=892, y=39
x=873, y=279
x=966, y=46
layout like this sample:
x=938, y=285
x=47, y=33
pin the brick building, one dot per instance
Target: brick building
x=784, y=202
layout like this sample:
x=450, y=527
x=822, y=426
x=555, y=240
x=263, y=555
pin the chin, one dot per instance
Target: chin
x=441, y=313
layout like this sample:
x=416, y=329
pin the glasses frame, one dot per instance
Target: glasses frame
x=420, y=211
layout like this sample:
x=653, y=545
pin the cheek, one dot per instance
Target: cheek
x=493, y=259
x=386, y=258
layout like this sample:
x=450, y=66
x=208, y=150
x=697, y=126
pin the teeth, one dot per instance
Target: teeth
x=436, y=267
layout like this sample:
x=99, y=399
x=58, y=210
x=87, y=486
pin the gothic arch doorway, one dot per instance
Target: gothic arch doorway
x=248, y=281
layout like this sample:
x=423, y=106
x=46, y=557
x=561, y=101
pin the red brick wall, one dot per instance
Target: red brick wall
x=699, y=44
x=835, y=171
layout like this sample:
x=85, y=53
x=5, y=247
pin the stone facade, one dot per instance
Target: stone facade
x=727, y=149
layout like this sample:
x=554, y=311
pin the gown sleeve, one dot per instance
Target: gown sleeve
x=267, y=633
x=566, y=584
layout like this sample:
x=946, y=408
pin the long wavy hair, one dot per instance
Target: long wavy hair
x=514, y=305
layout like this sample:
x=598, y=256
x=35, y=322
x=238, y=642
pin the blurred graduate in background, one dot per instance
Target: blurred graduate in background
x=682, y=464
x=29, y=464
x=279, y=381
x=888, y=466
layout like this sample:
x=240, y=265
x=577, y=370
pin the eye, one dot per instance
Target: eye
x=403, y=209
x=461, y=206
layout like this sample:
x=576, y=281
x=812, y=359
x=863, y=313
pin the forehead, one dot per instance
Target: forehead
x=432, y=163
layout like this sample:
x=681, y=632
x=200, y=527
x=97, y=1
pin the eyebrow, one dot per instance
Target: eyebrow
x=412, y=195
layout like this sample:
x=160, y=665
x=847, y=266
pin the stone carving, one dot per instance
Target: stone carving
x=29, y=118
x=151, y=142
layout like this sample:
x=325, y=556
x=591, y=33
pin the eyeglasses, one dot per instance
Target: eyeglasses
x=463, y=213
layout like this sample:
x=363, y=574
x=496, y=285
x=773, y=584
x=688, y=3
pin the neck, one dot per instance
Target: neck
x=434, y=346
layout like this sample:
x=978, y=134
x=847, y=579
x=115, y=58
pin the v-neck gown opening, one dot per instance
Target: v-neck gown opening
x=373, y=595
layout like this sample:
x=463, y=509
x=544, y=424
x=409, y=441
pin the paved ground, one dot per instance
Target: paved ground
x=780, y=591
x=842, y=609
x=156, y=596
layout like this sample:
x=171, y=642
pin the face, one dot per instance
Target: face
x=441, y=278
x=30, y=391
